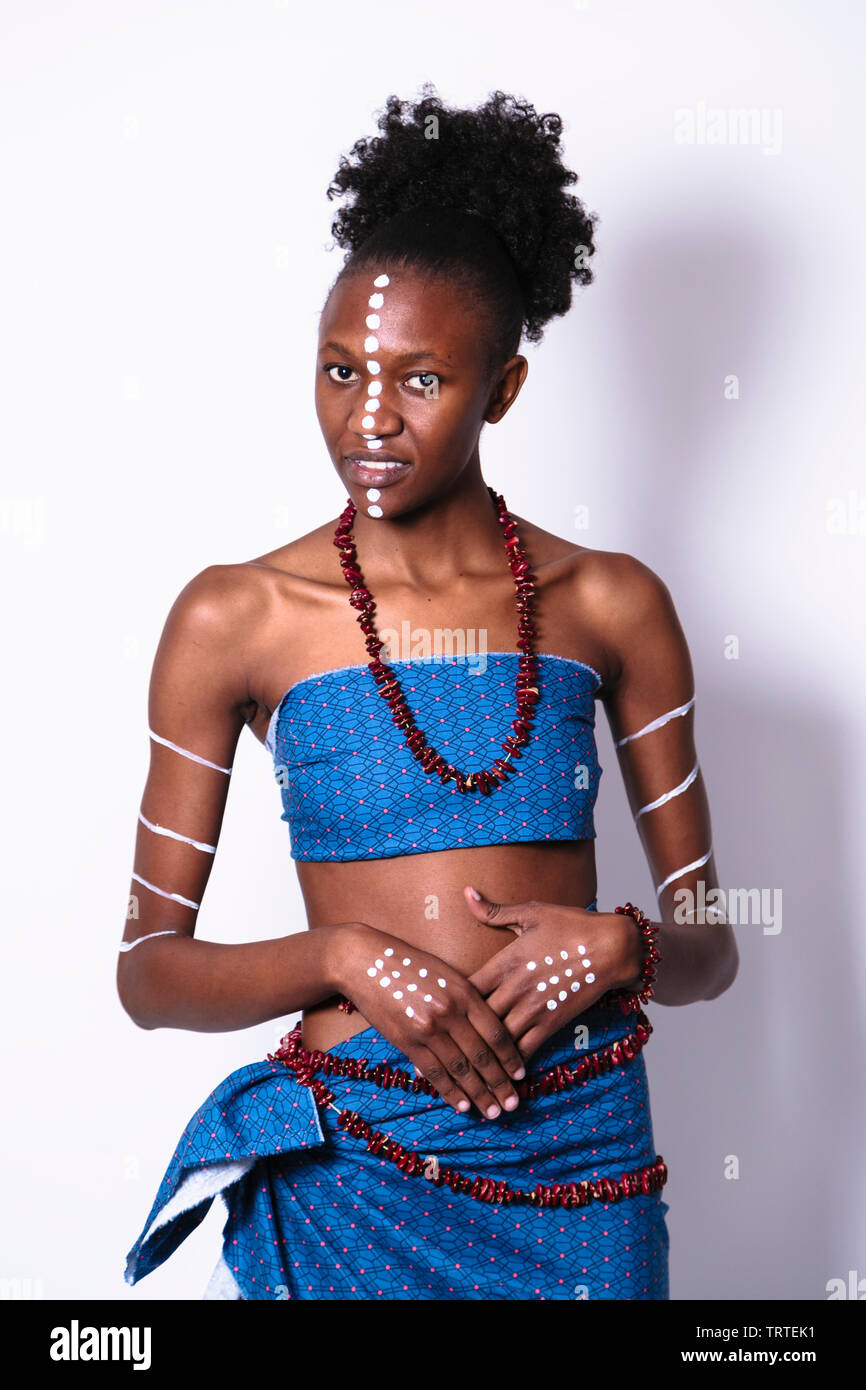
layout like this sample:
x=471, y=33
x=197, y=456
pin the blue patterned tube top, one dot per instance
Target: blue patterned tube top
x=352, y=790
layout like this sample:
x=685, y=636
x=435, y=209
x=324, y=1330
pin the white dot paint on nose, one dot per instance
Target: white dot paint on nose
x=371, y=344
x=382, y=279
x=375, y=510
x=589, y=979
x=373, y=495
x=372, y=404
x=372, y=320
x=375, y=388
x=367, y=423
x=373, y=367
x=376, y=301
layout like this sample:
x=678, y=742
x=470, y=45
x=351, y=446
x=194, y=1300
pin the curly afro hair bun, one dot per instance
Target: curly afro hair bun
x=479, y=195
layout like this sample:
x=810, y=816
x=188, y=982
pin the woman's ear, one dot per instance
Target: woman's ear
x=506, y=388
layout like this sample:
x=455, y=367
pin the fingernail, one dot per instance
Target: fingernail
x=475, y=893
x=463, y=1106
x=519, y=1074
x=512, y=1103
x=493, y=1112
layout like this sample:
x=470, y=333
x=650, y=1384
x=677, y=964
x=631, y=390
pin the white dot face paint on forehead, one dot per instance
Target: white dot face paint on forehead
x=381, y=280
x=376, y=300
x=371, y=344
x=372, y=321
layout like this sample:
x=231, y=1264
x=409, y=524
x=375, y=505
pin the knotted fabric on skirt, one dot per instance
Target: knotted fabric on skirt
x=314, y=1212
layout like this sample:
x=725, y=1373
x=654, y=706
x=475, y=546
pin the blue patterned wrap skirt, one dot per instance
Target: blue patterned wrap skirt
x=313, y=1214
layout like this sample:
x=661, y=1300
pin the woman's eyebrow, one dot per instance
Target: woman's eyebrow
x=426, y=353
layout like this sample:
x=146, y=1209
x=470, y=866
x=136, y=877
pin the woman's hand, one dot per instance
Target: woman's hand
x=434, y=1015
x=564, y=959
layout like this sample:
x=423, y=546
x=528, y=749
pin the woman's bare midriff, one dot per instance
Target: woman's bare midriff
x=419, y=898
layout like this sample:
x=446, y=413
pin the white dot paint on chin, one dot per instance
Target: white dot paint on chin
x=375, y=510
x=373, y=495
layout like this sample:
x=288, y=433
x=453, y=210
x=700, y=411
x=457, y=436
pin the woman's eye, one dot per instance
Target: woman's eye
x=350, y=372
x=429, y=381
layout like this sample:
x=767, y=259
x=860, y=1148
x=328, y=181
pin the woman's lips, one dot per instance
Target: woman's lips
x=376, y=473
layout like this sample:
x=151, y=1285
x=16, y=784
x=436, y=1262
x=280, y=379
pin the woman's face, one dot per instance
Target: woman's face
x=404, y=359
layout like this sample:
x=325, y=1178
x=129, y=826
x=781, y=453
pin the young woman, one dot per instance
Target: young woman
x=463, y=1113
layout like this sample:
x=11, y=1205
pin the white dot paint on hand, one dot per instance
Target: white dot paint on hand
x=412, y=988
x=548, y=960
x=382, y=279
x=390, y=951
x=423, y=972
x=372, y=972
x=581, y=950
x=385, y=981
x=551, y=1003
x=563, y=994
x=575, y=987
x=441, y=983
x=410, y=1012
x=569, y=973
x=542, y=984
x=586, y=962
x=398, y=994
x=396, y=974
x=563, y=955
x=589, y=979
x=427, y=998
x=407, y=960
x=530, y=965
x=554, y=979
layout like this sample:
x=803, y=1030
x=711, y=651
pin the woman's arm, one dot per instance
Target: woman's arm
x=199, y=702
x=649, y=700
